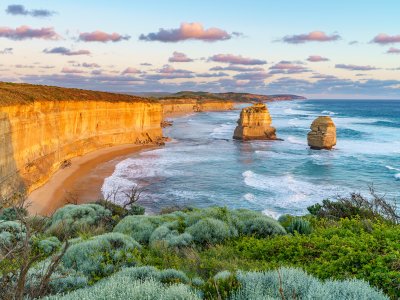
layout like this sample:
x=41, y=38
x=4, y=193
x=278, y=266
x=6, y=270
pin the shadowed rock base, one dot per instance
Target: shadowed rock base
x=255, y=124
x=322, y=134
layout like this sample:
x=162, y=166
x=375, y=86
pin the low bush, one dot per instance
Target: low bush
x=69, y=219
x=357, y=205
x=11, y=232
x=288, y=283
x=262, y=227
x=209, y=231
x=11, y=213
x=300, y=226
x=138, y=227
x=138, y=283
x=101, y=255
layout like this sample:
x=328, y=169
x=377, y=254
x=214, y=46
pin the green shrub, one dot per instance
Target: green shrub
x=49, y=245
x=101, y=255
x=222, y=275
x=11, y=232
x=170, y=238
x=339, y=250
x=136, y=210
x=172, y=276
x=289, y=283
x=262, y=227
x=300, y=226
x=69, y=219
x=138, y=227
x=357, y=205
x=11, y=213
x=209, y=231
x=221, y=286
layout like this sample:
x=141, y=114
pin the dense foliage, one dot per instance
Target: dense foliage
x=212, y=253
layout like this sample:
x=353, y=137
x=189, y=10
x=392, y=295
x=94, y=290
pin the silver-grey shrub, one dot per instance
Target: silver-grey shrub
x=72, y=217
x=262, y=226
x=11, y=232
x=292, y=283
x=138, y=227
x=209, y=231
x=123, y=285
x=170, y=238
x=101, y=255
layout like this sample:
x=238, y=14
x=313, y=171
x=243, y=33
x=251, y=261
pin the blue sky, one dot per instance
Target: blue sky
x=320, y=49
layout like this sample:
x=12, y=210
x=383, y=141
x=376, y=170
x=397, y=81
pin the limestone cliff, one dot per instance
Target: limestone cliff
x=37, y=138
x=43, y=127
x=322, y=134
x=255, y=124
x=175, y=107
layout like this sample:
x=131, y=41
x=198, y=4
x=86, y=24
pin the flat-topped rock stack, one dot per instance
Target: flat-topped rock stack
x=255, y=124
x=322, y=134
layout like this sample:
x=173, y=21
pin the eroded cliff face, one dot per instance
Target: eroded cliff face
x=176, y=107
x=37, y=138
x=255, y=124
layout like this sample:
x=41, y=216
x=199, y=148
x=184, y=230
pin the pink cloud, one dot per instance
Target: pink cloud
x=100, y=36
x=236, y=59
x=179, y=57
x=393, y=50
x=67, y=70
x=130, y=70
x=314, y=36
x=384, y=38
x=188, y=31
x=66, y=51
x=25, y=32
x=288, y=67
x=317, y=58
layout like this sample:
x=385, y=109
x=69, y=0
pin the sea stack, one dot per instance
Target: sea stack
x=255, y=124
x=322, y=134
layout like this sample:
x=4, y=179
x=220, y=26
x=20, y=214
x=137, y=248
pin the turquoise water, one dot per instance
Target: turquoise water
x=204, y=166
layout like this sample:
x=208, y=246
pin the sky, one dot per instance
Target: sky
x=318, y=49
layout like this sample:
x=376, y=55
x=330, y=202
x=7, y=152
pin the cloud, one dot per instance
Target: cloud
x=393, y=50
x=353, y=42
x=130, y=70
x=288, y=67
x=252, y=76
x=71, y=71
x=355, y=67
x=169, y=72
x=384, y=39
x=66, y=51
x=6, y=51
x=103, y=37
x=19, y=66
x=179, y=57
x=237, y=69
x=146, y=64
x=89, y=65
x=210, y=75
x=236, y=59
x=16, y=9
x=67, y=70
x=188, y=31
x=314, y=36
x=25, y=32
x=317, y=58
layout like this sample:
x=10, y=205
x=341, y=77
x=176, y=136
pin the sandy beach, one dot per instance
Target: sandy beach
x=81, y=182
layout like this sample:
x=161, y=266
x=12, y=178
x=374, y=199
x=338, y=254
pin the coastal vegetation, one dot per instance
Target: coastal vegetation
x=343, y=249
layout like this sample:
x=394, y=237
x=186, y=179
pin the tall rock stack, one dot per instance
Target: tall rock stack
x=255, y=124
x=322, y=134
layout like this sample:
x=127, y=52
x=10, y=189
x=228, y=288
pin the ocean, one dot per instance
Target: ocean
x=203, y=166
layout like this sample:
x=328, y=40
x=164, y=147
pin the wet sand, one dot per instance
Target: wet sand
x=81, y=182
